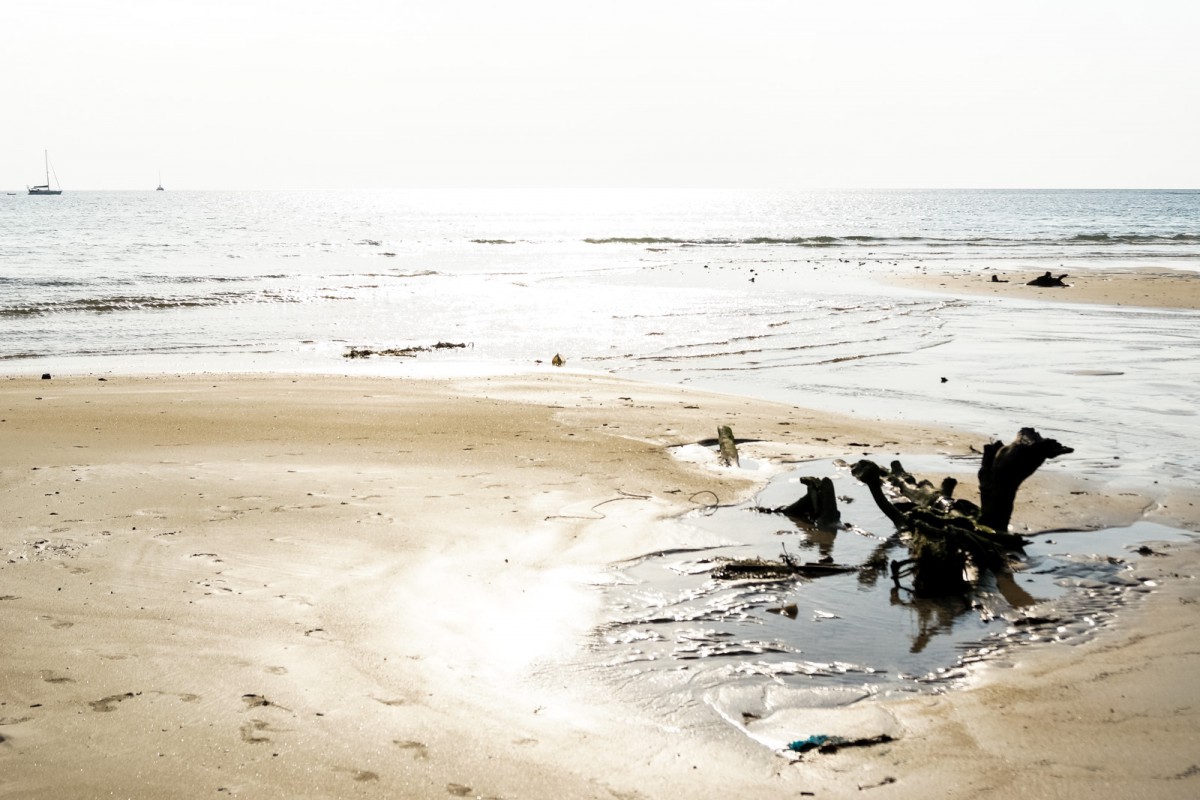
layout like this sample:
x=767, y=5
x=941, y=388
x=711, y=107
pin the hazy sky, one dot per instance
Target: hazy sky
x=243, y=94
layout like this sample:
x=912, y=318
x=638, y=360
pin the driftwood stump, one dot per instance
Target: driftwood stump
x=1048, y=280
x=1005, y=467
x=945, y=534
x=727, y=447
x=818, y=505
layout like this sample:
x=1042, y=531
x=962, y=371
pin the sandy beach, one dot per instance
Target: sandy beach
x=332, y=587
x=367, y=371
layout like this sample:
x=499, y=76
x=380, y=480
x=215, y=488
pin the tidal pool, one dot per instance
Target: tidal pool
x=675, y=634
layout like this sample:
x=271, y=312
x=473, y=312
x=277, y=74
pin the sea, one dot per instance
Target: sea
x=779, y=295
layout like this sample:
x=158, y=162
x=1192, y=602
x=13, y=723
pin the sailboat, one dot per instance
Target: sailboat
x=45, y=188
x=160, y=186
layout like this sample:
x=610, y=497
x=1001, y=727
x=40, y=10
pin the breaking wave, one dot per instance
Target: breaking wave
x=129, y=302
x=1137, y=238
x=850, y=240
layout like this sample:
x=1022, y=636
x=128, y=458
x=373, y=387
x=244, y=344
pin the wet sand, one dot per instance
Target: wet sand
x=1148, y=287
x=1116, y=717
x=327, y=587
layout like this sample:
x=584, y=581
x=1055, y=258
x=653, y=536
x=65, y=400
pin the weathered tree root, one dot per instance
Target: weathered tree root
x=946, y=534
x=788, y=566
x=818, y=506
x=1005, y=467
x=727, y=453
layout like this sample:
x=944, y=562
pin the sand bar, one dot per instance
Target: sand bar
x=1149, y=287
x=326, y=587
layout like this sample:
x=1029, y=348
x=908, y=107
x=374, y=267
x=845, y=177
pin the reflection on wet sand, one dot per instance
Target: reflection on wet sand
x=933, y=615
x=843, y=628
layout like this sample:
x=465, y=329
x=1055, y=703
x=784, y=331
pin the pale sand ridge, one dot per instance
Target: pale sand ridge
x=1146, y=287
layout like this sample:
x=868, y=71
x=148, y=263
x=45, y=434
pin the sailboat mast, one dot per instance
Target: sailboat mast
x=45, y=189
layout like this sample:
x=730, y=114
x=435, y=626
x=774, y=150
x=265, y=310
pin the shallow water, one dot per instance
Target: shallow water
x=766, y=294
x=674, y=636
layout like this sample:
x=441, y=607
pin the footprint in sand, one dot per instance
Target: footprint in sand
x=420, y=750
x=378, y=518
x=458, y=790
x=224, y=514
x=251, y=732
x=360, y=775
x=296, y=599
x=319, y=633
x=213, y=586
x=285, y=509
x=276, y=670
x=184, y=697
x=110, y=703
x=56, y=623
x=49, y=676
x=258, y=701
x=632, y=795
x=14, y=720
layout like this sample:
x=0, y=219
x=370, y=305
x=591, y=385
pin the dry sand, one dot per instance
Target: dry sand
x=320, y=587
x=1145, y=287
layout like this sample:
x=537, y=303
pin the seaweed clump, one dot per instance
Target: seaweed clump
x=403, y=352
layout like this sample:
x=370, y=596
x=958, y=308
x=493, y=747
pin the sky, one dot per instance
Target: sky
x=346, y=94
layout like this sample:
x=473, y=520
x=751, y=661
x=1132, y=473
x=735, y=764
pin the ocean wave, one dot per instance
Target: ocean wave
x=1137, y=238
x=57, y=282
x=204, y=278
x=117, y=303
x=811, y=241
x=861, y=239
x=50, y=283
x=394, y=274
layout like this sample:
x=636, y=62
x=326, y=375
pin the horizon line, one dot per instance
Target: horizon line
x=486, y=188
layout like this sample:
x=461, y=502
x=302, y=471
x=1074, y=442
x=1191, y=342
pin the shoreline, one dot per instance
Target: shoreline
x=285, y=585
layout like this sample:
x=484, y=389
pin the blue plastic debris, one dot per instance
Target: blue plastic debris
x=830, y=744
x=812, y=742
